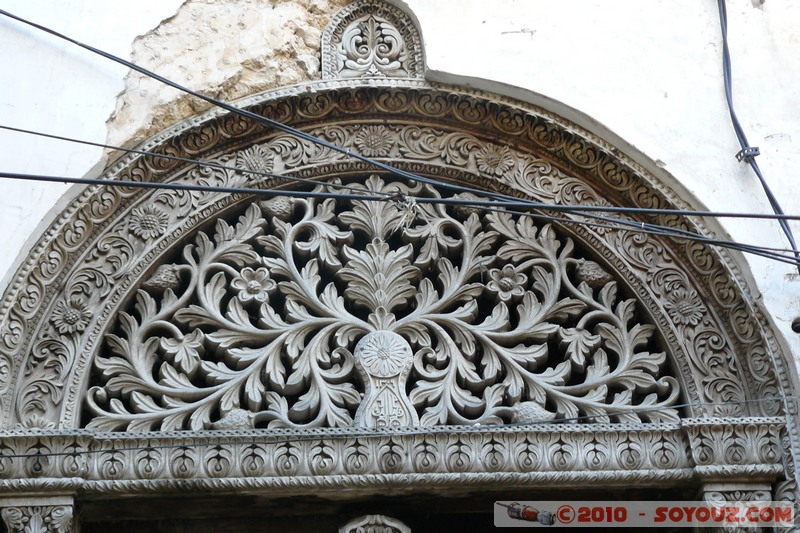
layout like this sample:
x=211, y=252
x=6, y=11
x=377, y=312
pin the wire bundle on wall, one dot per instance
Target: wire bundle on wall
x=498, y=201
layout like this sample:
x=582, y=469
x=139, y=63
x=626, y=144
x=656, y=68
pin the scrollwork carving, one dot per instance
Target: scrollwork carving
x=92, y=255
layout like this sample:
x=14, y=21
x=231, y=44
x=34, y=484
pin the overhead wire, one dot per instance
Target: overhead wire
x=509, y=201
x=747, y=153
x=201, y=162
x=641, y=227
x=253, y=116
x=513, y=201
x=321, y=142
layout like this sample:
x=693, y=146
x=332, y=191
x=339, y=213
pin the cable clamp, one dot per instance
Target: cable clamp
x=747, y=154
x=407, y=206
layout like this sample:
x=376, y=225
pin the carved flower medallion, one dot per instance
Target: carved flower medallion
x=373, y=141
x=507, y=283
x=256, y=158
x=71, y=317
x=494, y=160
x=383, y=353
x=684, y=306
x=253, y=284
x=148, y=222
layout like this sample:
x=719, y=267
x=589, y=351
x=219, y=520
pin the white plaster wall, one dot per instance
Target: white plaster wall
x=50, y=86
x=647, y=73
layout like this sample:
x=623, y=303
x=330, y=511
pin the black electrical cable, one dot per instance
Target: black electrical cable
x=288, y=129
x=654, y=229
x=641, y=227
x=298, y=133
x=483, y=428
x=202, y=162
x=747, y=153
x=253, y=116
x=513, y=202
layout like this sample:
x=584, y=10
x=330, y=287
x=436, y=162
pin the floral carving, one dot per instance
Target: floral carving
x=684, y=306
x=256, y=158
x=384, y=355
x=71, y=317
x=148, y=222
x=253, y=284
x=373, y=141
x=507, y=283
x=494, y=160
x=353, y=300
x=39, y=518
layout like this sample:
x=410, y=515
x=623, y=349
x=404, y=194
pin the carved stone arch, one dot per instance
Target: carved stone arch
x=73, y=304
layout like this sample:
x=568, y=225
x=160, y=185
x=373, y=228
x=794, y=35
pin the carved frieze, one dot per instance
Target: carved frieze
x=363, y=458
x=719, y=446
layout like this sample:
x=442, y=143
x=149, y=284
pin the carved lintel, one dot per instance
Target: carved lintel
x=375, y=523
x=38, y=515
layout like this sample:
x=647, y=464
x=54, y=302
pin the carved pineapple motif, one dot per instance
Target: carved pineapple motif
x=343, y=312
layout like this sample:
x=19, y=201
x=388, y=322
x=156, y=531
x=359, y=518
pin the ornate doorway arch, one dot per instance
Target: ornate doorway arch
x=168, y=340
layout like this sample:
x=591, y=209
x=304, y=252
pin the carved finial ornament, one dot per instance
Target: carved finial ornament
x=371, y=39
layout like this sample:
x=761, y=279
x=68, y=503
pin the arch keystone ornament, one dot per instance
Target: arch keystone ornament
x=384, y=359
x=165, y=340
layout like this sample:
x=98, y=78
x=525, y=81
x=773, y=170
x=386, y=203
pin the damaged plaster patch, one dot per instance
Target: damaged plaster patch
x=226, y=50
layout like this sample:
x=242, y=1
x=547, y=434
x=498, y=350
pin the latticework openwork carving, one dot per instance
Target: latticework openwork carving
x=309, y=313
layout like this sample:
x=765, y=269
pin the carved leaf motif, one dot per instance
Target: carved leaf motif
x=378, y=276
x=578, y=344
x=186, y=352
x=372, y=47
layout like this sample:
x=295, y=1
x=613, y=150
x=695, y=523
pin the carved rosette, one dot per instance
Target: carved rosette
x=384, y=359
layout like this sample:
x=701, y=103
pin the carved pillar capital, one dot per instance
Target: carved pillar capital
x=38, y=515
x=723, y=493
x=731, y=448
